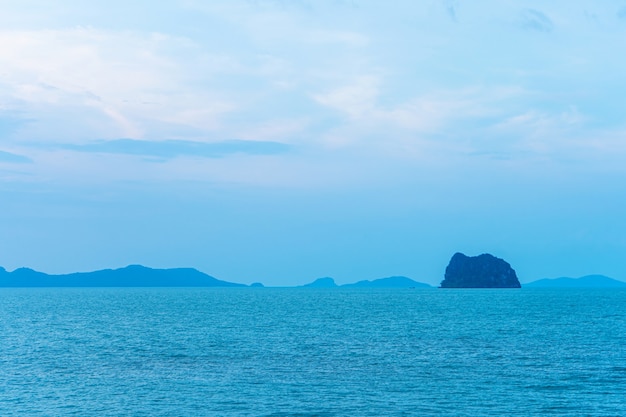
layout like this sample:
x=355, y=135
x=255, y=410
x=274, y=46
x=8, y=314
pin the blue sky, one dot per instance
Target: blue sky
x=284, y=140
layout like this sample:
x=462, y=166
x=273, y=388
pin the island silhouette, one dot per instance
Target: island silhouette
x=389, y=282
x=483, y=271
x=130, y=276
x=587, y=281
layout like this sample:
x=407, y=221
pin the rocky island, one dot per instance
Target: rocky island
x=483, y=271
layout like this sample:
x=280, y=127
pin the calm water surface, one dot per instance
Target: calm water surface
x=312, y=352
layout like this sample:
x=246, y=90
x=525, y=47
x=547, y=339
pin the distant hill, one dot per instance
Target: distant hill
x=390, y=282
x=588, y=281
x=325, y=282
x=130, y=276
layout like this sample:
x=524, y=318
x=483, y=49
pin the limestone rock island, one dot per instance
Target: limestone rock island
x=483, y=271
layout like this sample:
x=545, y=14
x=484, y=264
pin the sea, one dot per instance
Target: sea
x=312, y=352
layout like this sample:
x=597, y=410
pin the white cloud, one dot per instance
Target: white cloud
x=535, y=122
x=357, y=99
x=131, y=79
x=562, y=137
x=275, y=130
x=430, y=113
x=356, y=77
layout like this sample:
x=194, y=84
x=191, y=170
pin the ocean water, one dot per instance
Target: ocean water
x=312, y=352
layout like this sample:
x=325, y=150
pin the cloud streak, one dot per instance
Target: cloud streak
x=13, y=158
x=169, y=149
x=535, y=20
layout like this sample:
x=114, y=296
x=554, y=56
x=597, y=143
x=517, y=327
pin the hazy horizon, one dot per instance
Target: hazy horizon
x=298, y=281
x=282, y=141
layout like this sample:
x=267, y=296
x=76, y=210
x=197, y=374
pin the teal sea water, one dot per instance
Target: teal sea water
x=312, y=352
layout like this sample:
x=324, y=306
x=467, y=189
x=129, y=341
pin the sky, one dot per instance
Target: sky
x=284, y=140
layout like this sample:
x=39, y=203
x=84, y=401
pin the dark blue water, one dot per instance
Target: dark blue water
x=307, y=352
